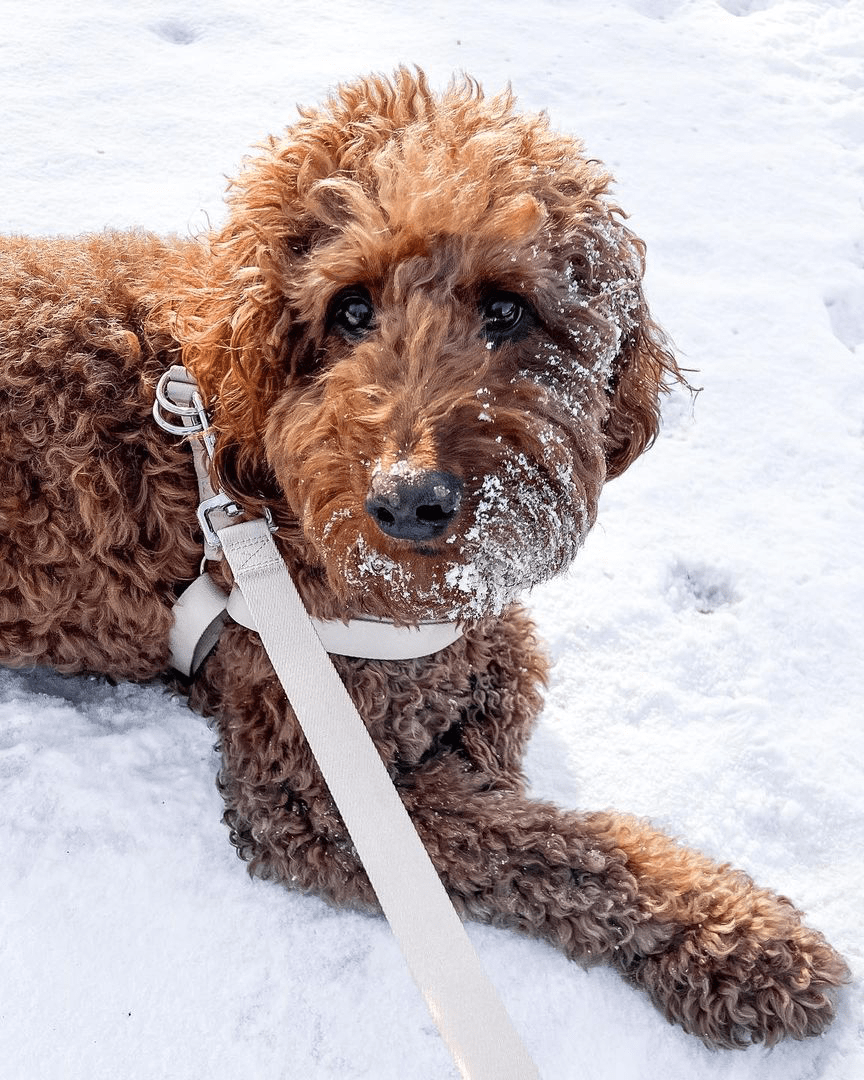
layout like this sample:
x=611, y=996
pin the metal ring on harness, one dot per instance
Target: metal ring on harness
x=200, y=425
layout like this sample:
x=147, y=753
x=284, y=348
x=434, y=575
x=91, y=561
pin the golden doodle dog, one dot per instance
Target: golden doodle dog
x=423, y=342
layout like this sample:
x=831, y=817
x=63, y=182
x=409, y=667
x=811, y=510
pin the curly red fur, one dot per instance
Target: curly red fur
x=429, y=205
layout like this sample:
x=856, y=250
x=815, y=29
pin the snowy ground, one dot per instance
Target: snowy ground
x=708, y=642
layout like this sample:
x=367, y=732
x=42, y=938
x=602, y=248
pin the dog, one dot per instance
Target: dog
x=423, y=342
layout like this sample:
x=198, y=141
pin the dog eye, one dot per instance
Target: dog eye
x=503, y=314
x=351, y=312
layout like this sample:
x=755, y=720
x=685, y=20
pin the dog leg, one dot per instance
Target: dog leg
x=740, y=966
x=730, y=962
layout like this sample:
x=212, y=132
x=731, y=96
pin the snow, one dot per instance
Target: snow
x=708, y=639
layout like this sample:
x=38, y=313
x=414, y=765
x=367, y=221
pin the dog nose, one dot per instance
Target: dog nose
x=414, y=506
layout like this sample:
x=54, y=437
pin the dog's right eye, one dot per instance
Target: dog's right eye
x=506, y=317
x=352, y=312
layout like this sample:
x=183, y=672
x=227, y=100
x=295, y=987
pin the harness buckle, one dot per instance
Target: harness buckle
x=220, y=503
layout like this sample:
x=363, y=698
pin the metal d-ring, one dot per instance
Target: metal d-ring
x=199, y=426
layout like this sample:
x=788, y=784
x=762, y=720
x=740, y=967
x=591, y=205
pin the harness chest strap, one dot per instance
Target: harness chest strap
x=200, y=613
x=366, y=638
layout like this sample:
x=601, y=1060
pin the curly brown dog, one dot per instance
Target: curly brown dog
x=424, y=343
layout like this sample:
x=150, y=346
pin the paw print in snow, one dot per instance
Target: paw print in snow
x=845, y=307
x=176, y=32
x=699, y=587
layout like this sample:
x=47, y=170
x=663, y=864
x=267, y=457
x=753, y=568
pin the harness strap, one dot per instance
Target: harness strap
x=366, y=638
x=199, y=616
x=460, y=997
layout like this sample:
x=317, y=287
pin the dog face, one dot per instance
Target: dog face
x=428, y=346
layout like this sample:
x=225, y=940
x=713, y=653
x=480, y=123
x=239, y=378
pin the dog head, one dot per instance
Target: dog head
x=426, y=345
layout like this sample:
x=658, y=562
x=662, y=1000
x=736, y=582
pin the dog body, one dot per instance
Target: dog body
x=423, y=341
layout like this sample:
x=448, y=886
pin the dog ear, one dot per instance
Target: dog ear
x=643, y=370
x=644, y=367
x=237, y=326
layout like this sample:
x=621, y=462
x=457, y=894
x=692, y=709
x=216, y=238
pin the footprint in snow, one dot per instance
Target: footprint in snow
x=845, y=307
x=746, y=7
x=176, y=32
x=695, y=586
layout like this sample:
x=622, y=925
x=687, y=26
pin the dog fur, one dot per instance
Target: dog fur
x=410, y=290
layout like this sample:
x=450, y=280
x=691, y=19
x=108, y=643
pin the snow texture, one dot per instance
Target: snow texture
x=708, y=642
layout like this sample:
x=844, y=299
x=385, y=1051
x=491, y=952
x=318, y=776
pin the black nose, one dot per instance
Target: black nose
x=414, y=506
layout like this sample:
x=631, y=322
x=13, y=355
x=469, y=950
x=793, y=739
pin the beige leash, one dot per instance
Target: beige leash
x=463, y=1002
x=461, y=999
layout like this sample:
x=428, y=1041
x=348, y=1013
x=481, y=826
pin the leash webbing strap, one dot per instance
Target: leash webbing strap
x=460, y=997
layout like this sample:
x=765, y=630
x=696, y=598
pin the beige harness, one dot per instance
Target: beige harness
x=467, y=1010
x=201, y=611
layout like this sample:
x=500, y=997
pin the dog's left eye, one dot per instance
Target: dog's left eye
x=504, y=314
x=352, y=312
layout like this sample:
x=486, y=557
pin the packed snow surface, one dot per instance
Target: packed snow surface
x=708, y=642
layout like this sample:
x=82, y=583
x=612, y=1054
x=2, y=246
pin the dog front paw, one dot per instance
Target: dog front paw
x=737, y=982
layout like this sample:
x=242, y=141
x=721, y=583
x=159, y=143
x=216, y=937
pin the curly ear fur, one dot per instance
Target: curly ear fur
x=236, y=327
x=607, y=265
x=644, y=369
